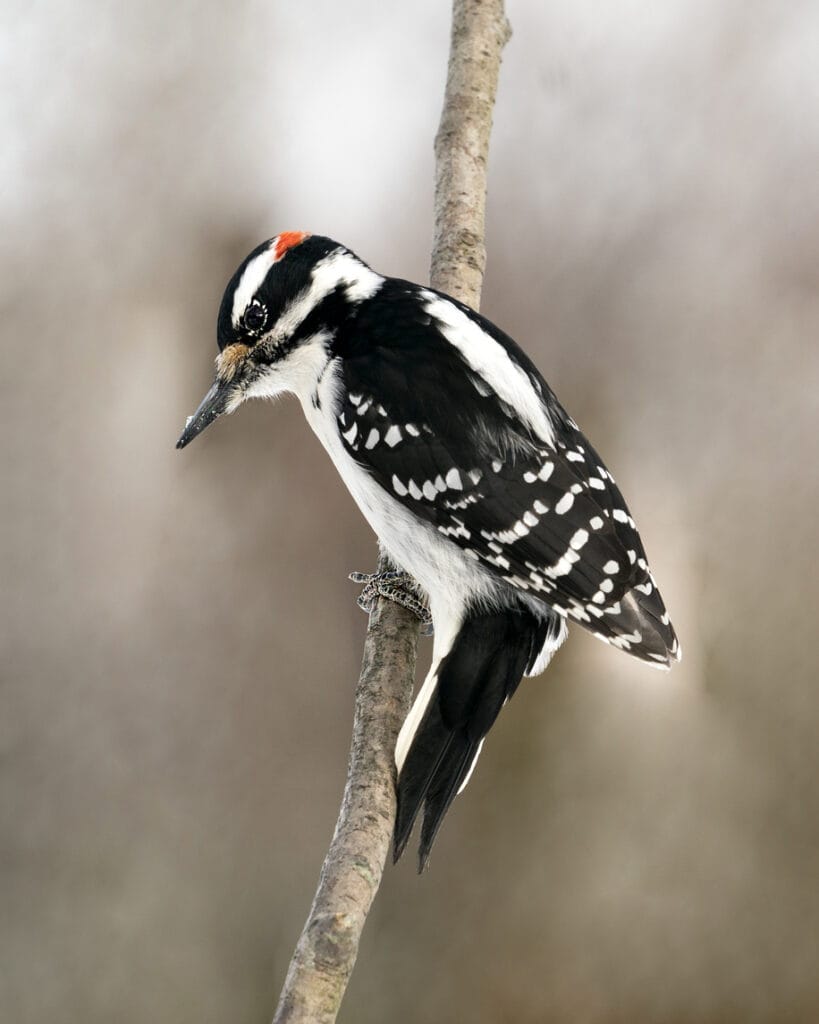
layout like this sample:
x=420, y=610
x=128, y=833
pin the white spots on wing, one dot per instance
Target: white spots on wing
x=458, y=530
x=620, y=515
x=350, y=435
x=372, y=439
x=497, y=465
x=540, y=508
x=364, y=406
x=431, y=489
x=599, y=597
x=489, y=360
x=574, y=457
x=412, y=430
x=546, y=471
x=628, y=638
x=518, y=582
x=579, y=539
x=644, y=588
x=611, y=567
x=565, y=503
x=499, y=561
x=530, y=519
x=475, y=476
x=665, y=619
x=595, y=522
x=453, y=480
x=393, y=436
x=607, y=586
x=529, y=477
x=381, y=410
x=598, y=485
x=632, y=556
x=509, y=536
x=562, y=567
x=642, y=564
x=355, y=399
x=465, y=502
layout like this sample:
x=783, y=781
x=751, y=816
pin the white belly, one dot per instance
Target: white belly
x=449, y=576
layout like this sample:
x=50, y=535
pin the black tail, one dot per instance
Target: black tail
x=481, y=671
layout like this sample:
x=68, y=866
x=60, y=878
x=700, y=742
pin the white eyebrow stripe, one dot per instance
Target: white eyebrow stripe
x=250, y=281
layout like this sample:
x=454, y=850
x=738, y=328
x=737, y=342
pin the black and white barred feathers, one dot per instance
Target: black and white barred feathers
x=468, y=469
x=546, y=518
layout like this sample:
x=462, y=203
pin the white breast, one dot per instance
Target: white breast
x=449, y=576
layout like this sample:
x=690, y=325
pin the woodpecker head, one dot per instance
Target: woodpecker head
x=278, y=319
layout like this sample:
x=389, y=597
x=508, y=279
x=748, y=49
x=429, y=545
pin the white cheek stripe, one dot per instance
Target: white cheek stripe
x=492, y=362
x=339, y=268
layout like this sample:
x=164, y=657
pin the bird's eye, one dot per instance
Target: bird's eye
x=255, y=317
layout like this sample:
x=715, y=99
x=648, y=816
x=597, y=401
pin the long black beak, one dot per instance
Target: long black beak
x=210, y=408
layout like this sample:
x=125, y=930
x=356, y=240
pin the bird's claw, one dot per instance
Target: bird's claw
x=395, y=586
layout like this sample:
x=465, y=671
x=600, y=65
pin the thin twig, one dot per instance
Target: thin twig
x=327, y=949
x=351, y=874
x=479, y=33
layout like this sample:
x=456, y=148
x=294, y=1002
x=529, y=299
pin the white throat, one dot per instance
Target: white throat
x=299, y=373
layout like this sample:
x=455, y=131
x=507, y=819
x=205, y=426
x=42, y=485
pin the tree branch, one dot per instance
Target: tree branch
x=479, y=33
x=327, y=949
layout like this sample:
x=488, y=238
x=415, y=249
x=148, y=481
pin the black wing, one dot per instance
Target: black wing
x=544, y=516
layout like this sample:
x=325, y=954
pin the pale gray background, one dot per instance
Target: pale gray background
x=179, y=642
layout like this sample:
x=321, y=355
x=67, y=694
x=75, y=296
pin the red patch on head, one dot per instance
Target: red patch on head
x=287, y=240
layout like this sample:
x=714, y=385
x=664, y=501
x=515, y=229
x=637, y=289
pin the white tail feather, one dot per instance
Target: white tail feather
x=413, y=719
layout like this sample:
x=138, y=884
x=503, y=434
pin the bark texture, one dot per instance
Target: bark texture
x=327, y=949
x=479, y=33
x=351, y=873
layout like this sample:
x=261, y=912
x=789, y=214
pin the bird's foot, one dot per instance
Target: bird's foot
x=395, y=586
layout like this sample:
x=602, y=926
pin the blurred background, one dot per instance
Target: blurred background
x=179, y=640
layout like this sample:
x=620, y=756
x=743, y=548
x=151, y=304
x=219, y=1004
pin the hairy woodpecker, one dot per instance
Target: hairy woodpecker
x=468, y=469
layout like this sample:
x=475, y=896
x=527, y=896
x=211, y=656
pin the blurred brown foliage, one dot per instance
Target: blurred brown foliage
x=179, y=641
